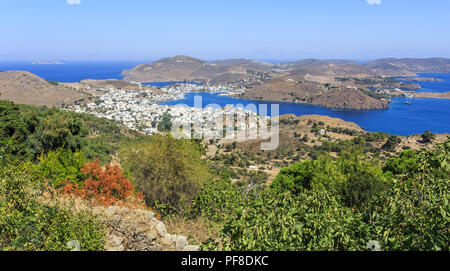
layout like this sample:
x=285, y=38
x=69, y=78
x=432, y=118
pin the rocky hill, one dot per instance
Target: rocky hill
x=180, y=68
x=344, y=68
x=349, y=99
x=415, y=65
x=285, y=89
x=309, y=92
x=26, y=88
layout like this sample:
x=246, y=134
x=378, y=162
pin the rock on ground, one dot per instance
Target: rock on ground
x=139, y=230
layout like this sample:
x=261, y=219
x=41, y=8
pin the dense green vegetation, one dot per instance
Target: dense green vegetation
x=339, y=204
x=26, y=132
x=167, y=171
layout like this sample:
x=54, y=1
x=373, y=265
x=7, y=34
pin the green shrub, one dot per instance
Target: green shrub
x=28, y=224
x=414, y=213
x=296, y=178
x=13, y=133
x=99, y=148
x=408, y=212
x=360, y=188
x=167, y=171
x=406, y=163
x=308, y=221
x=353, y=176
x=392, y=143
x=217, y=200
x=428, y=137
x=165, y=124
x=61, y=166
x=26, y=132
x=55, y=83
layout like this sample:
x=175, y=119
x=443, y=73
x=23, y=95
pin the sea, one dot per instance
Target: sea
x=73, y=71
x=400, y=119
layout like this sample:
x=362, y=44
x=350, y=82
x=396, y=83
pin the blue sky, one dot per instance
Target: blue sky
x=213, y=29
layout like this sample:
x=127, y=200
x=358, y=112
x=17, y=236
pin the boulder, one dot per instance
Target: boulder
x=181, y=242
x=138, y=230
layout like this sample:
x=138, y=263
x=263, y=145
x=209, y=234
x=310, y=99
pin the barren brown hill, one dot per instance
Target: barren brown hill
x=349, y=99
x=416, y=65
x=181, y=68
x=289, y=90
x=26, y=88
x=286, y=89
x=174, y=69
x=379, y=67
x=340, y=68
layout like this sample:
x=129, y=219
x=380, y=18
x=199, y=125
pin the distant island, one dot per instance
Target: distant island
x=46, y=62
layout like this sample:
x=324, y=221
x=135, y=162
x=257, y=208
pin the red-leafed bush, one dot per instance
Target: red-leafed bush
x=105, y=186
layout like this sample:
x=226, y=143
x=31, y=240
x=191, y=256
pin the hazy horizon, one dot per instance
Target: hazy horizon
x=65, y=61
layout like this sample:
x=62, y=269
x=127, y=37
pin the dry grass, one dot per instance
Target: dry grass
x=26, y=88
x=198, y=230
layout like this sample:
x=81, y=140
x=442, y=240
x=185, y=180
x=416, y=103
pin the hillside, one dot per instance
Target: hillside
x=314, y=93
x=26, y=88
x=285, y=89
x=416, y=65
x=300, y=139
x=180, y=68
x=339, y=68
x=349, y=99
